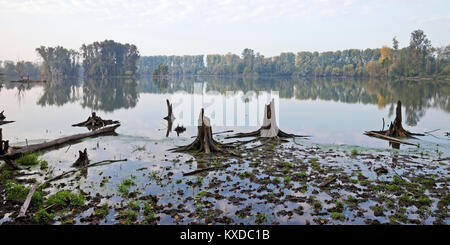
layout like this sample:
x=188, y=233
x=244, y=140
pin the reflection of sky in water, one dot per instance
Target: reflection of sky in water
x=328, y=121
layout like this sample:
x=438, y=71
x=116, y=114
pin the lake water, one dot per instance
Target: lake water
x=331, y=111
x=335, y=113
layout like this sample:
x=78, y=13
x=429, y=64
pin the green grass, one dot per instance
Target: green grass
x=42, y=217
x=28, y=160
x=44, y=165
x=128, y=216
x=424, y=201
x=17, y=193
x=287, y=180
x=314, y=162
x=261, y=218
x=302, y=175
x=337, y=216
x=201, y=194
x=102, y=212
x=134, y=205
x=317, y=205
x=352, y=199
x=124, y=187
x=354, y=152
x=405, y=200
x=66, y=198
x=287, y=164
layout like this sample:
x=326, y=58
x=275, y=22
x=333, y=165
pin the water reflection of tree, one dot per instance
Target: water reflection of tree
x=110, y=94
x=60, y=91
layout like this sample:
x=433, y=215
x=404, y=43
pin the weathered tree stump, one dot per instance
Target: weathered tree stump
x=204, y=142
x=269, y=129
x=2, y=119
x=170, y=116
x=95, y=122
x=83, y=159
x=396, y=128
x=4, y=144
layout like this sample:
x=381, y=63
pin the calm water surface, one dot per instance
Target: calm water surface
x=331, y=111
x=334, y=112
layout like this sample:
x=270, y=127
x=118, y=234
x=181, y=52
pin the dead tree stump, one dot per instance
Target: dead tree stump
x=82, y=160
x=95, y=122
x=396, y=128
x=269, y=129
x=4, y=144
x=204, y=142
x=2, y=116
x=170, y=116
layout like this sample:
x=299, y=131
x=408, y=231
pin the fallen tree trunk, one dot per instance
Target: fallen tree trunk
x=391, y=139
x=5, y=122
x=204, y=140
x=26, y=204
x=269, y=129
x=15, y=152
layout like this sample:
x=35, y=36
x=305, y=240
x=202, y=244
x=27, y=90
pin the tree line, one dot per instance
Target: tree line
x=99, y=60
x=419, y=58
x=113, y=59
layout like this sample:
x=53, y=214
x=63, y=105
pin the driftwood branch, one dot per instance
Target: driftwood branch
x=25, y=205
x=328, y=181
x=205, y=169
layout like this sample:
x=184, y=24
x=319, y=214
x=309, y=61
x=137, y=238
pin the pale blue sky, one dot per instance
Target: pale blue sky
x=218, y=26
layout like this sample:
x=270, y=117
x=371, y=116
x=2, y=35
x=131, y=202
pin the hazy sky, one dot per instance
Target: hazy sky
x=218, y=26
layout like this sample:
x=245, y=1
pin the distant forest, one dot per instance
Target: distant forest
x=417, y=59
x=112, y=59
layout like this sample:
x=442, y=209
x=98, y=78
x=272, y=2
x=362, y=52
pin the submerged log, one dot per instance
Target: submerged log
x=15, y=152
x=94, y=122
x=200, y=170
x=83, y=159
x=180, y=130
x=28, y=81
x=269, y=129
x=204, y=142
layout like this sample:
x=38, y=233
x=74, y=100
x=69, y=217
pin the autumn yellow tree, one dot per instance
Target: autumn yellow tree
x=384, y=58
